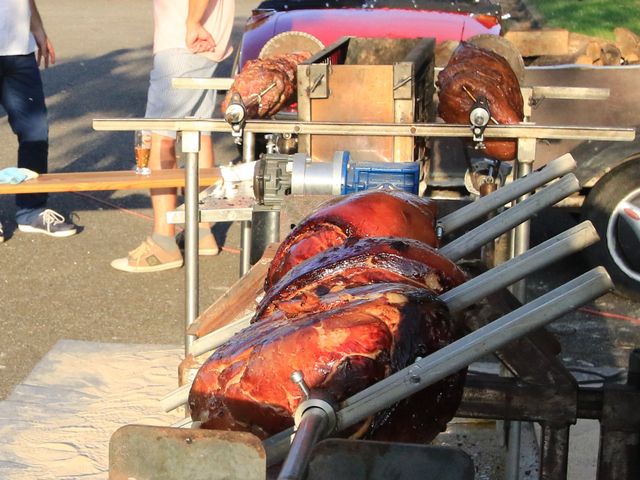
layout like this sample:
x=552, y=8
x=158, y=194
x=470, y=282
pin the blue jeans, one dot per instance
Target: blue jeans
x=22, y=96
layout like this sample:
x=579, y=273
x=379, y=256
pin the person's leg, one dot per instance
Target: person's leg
x=207, y=243
x=163, y=200
x=159, y=251
x=23, y=99
x=22, y=96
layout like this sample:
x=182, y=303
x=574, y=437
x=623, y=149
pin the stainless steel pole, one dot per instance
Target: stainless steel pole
x=311, y=429
x=563, y=244
x=248, y=154
x=191, y=146
x=475, y=210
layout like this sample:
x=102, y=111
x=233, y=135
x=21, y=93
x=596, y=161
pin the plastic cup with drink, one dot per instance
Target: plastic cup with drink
x=142, y=147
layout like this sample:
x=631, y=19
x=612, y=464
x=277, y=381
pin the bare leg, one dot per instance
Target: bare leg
x=206, y=159
x=163, y=200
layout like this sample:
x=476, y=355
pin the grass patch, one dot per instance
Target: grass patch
x=591, y=17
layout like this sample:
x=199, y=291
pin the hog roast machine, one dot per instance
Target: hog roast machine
x=541, y=390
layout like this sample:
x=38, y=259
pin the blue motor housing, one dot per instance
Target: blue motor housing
x=363, y=175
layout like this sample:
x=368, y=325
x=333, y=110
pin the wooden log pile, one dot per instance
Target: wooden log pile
x=559, y=46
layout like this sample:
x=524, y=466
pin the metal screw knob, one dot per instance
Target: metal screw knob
x=298, y=378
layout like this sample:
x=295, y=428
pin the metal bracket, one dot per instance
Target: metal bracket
x=319, y=80
x=403, y=81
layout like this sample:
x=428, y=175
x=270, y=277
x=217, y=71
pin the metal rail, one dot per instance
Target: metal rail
x=558, y=92
x=371, y=129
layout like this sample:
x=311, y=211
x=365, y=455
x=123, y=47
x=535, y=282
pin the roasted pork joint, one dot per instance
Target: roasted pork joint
x=373, y=213
x=266, y=85
x=471, y=73
x=360, y=336
x=361, y=261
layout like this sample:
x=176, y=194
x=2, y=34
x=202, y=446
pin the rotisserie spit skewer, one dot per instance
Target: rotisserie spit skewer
x=508, y=219
x=507, y=193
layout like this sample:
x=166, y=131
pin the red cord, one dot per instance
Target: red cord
x=617, y=316
x=113, y=205
x=137, y=214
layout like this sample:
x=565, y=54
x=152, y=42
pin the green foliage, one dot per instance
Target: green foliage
x=591, y=17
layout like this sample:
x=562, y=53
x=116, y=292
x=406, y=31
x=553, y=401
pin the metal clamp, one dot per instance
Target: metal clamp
x=317, y=399
x=479, y=118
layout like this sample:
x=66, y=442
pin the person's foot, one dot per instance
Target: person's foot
x=50, y=223
x=207, y=246
x=148, y=257
x=1, y=233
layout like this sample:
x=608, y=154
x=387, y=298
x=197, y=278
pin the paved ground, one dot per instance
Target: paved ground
x=52, y=289
x=64, y=288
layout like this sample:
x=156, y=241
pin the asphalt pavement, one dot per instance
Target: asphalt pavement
x=52, y=289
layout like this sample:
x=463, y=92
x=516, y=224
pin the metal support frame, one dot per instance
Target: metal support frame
x=523, y=131
x=248, y=155
x=191, y=146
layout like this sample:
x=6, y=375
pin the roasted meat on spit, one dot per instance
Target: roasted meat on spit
x=378, y=213
x=361, y=261
x=471, y=73
x=360, y=336
x=352, y=313
x=266, y=84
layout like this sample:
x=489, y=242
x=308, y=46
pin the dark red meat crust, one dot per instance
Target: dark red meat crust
x=361, y=262
x=473, y=71
x=377, y=213
x=245, y=385
x=257, y=75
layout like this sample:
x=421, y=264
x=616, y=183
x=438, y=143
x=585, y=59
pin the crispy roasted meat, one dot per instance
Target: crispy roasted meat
x=356, y=337
x=473, y=72
x=374, y=213
x=361, y=262
x=266, y=85
x=347, y=307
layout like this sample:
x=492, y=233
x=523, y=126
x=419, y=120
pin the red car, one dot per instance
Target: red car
x=328, y=20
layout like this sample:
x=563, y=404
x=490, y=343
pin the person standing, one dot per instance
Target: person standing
x=21, y=95
x=190, y=38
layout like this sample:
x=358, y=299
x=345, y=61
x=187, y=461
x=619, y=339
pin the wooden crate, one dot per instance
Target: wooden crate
x=368, y=80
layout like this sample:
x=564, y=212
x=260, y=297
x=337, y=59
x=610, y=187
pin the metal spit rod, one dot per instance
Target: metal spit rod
x=456, y=356
x=508, y=219
x=310, y=429
x=475, y=210
x=458, y=298
x=505, y=274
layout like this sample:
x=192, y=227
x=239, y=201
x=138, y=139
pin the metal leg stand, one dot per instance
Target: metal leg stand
x=554, y=452
x=520, y=244
x=248, y=148
x=191, y=146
